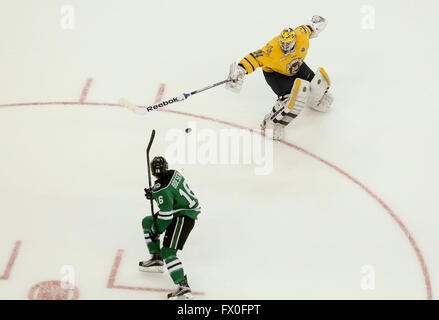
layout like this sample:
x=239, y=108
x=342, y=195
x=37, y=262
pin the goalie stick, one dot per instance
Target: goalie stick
x=151, y=139
x=131, y=106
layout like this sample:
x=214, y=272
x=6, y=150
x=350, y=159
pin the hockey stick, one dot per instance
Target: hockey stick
x=149, y=169
x=127, y=104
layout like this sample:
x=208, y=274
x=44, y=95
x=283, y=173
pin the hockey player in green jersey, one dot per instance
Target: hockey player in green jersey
x=179, y=209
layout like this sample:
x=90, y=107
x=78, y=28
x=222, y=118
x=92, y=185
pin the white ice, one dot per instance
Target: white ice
x=72, y=176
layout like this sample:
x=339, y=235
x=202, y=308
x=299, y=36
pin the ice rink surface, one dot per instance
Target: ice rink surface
x=349, y=210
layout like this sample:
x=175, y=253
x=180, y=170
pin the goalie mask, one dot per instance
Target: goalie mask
x=287, y=40
x=159, y=166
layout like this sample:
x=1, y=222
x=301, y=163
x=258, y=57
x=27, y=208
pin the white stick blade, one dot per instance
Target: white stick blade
x=131, y=106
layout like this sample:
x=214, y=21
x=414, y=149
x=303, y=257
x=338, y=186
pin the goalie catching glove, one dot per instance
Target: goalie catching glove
x=317, y=24
x=236, y=77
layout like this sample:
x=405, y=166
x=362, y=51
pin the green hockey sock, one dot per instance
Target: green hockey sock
x=173, y=264
x=154, y=247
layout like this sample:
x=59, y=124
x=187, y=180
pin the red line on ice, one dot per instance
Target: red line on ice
x=11, y=261
x=395, y=217
x=113, y=274
x=84, y=92
x=160, y=93
x=65, y=103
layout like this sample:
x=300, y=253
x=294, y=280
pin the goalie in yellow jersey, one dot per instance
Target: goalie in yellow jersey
x=284, y=69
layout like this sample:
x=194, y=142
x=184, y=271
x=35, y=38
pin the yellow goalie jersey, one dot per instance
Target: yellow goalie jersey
x=272, y=59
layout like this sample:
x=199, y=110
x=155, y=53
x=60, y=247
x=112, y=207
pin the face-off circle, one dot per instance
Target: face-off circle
x=52, y=290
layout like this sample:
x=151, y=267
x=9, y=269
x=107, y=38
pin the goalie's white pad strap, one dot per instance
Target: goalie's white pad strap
x=319, y=86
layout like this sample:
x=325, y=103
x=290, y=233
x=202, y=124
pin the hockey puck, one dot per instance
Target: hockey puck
x=188, y=130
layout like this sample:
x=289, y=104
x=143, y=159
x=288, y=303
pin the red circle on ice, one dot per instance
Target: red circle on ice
x=52, y=290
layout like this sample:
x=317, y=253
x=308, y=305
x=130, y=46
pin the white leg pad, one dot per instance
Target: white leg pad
x=325, y=103
x=294, y=104
x=299, y=96
x=287, y=109
x=319, y=98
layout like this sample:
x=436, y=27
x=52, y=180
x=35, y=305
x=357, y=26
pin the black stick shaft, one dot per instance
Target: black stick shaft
x=149, y=169
x=210, y=87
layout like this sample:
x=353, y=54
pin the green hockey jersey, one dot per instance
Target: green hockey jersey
x=174, y=198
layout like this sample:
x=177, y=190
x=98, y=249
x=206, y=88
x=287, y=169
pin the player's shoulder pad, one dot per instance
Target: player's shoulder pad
x=176, y=178
x=176, y=172
x=304, y=29
x=273, y=41
x=163, y=182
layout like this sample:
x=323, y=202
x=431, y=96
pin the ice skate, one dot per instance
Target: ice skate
x=278, y=132
x=183, y=291
x=272, y=130
x=155, y=264
x=270, y=127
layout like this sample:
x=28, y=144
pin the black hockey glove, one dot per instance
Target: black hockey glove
x=153, y=233
x=148, y=193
